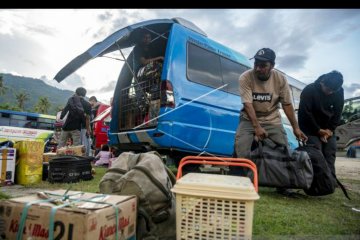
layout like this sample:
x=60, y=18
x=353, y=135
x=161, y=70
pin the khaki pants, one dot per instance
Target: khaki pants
x=245, y=135
x=65, y=135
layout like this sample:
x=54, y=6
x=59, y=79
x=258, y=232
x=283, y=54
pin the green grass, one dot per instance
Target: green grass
x=279, y=217
x=85, y=186
x=325, y=217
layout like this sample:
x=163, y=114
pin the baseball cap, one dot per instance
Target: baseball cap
x=265, y=54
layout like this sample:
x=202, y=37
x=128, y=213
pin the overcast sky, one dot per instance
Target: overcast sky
x=308, y=43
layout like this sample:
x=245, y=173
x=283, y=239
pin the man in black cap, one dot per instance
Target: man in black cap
x=261, y=90
x=321, y=105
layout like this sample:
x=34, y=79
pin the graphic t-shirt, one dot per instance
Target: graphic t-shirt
x=265, y=95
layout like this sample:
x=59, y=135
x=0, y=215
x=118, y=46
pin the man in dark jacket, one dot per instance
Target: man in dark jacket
x=321, y=104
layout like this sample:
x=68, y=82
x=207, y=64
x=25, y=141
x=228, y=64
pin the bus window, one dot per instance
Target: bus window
x=203, y=67
x=231, y=72
x=295, y=96
x=18, y=120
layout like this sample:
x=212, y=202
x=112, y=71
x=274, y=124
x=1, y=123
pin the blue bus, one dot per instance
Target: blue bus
x=193, y=109
x=15, y=125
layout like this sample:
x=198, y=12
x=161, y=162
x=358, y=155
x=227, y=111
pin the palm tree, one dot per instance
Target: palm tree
x=2, y=86
x=43, y=105
x=21, y=98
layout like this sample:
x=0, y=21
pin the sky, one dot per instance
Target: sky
x=308, y=42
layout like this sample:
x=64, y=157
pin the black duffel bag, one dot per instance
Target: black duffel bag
x=70, y=169
x=280, y=167
x=324, y=181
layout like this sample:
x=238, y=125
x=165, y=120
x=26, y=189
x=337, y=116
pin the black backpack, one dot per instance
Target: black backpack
x=75, y=107
x=324, y=181
x=75, y=111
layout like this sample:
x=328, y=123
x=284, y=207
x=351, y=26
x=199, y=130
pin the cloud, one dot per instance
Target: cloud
x=105, y=16
x=40, y=29
x=292, y=62
x=20, y=54
x=106, y=89
x=351, y=90
x=71, y=82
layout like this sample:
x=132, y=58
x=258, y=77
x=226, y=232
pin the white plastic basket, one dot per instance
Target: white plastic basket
x=210, y=206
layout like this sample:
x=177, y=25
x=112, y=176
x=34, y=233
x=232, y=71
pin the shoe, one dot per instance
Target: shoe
x=286, y=192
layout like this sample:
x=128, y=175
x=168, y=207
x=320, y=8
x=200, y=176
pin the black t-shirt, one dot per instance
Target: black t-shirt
x=75, y=122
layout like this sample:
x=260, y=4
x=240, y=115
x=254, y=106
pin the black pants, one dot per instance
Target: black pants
x=328, y=149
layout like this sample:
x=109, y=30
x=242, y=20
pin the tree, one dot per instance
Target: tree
x=8, y=106
x=21, y=98
x=3, y=88
x=43, y=105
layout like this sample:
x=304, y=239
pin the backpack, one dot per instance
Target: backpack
x=76, y=108
x=75, y=111
x=280, y=167
x=146, y=176
x=324, y=181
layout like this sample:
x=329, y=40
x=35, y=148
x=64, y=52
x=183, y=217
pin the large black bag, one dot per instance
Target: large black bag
x=324, y=181
x=280, y=167
x=70, y=169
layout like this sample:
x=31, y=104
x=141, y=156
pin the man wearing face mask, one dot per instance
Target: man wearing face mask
x=321, y=104
x=262, y=89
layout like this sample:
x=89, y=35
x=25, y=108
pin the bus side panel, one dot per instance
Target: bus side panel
x=205, y=119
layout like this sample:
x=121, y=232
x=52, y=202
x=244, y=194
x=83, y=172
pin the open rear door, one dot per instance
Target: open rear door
x=123, y=38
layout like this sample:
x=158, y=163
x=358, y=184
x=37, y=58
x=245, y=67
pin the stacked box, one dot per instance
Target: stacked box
x=30, y=161
x=48, y=156
x=7, y=165
x=77, y=218
x=72, y=150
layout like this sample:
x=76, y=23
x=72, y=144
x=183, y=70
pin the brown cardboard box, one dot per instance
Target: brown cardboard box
x=7, y=165
x=83, y=220
x=48, y=156
x=73, y=150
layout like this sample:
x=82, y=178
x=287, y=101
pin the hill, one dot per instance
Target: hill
x=35, y=88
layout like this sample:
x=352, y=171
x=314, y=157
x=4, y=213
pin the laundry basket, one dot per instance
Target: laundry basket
x=210, y=206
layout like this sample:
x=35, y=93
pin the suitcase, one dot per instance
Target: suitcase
x=70, y=169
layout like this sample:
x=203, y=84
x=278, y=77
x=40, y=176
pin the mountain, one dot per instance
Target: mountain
x=35, y=88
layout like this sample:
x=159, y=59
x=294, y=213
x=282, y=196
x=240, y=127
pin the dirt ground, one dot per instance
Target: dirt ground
x=346, y=168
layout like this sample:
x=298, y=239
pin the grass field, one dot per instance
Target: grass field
x=279, y=217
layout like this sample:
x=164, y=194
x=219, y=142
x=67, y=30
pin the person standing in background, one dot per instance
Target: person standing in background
x=77, y=110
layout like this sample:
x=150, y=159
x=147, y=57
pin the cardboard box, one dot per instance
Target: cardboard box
x=7, y=165
x=83, y=220
x=73, y=150
x=48, y=156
